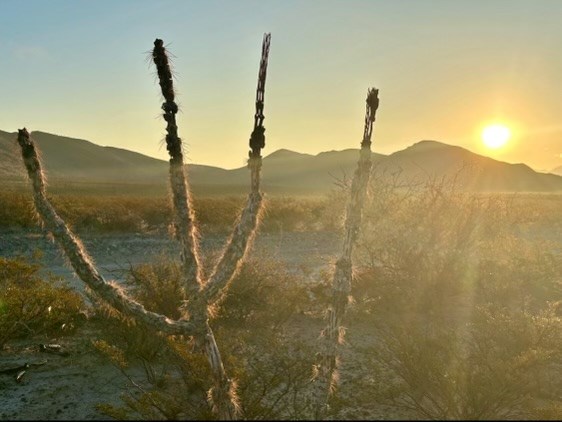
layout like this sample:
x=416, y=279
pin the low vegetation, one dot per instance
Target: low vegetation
x=460, y=318
x=138, y=214
x=456, y=315
x=254, y=326
x=32, y=305
x=465, y=310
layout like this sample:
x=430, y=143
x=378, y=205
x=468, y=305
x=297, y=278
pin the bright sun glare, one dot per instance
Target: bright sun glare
x=495, y=136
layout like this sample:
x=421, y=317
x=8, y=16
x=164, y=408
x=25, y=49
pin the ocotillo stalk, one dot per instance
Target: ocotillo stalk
x=78, y=256
x=244, y=231
x=182, y=204
x=325, y=372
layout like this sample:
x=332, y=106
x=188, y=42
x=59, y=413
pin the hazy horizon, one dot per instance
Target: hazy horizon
x=188, y=160
x=444, y=70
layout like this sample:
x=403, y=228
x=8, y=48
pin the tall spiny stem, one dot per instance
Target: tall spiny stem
x=78, y=256
x=222, y=396
x=326, y=371
x=245, y=229
x=183, y=210
x=242, y=235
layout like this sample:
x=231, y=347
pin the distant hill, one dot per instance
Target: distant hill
x=292, y=171
x=557, y=170
x=69, y=160
x=473, y=171
x=80, y=161
x=10, y=162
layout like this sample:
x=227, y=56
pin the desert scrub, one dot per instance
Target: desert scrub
x=113, y=213
x=253, y=325
x=428, y=248
x=138, y=214
x=298, y=214
x=467, y=315
x=16, y=211
x=31, y=305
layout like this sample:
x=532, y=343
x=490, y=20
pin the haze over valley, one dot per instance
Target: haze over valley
x=69, y=160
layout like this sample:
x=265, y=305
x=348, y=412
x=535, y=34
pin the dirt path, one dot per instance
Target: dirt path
x=306, y=253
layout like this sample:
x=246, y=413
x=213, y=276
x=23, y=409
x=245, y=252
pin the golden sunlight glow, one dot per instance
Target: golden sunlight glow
x=495, y=136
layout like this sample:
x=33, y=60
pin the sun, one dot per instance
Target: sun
x=495, y=136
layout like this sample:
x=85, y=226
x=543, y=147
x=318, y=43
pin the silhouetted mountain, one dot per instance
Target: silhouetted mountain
x=432, y=159
x=285, y=170
x=77, y=160
x=71, y=160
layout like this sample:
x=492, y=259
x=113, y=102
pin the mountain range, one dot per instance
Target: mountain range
x=68, y=160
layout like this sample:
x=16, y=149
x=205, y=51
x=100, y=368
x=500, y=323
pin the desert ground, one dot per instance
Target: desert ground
x=69, y=387
x=305, y=252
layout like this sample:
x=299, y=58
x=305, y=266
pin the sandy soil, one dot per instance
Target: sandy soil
x=63, y=387
x=70, y=387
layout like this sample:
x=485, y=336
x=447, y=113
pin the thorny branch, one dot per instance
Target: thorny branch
x=325, y=372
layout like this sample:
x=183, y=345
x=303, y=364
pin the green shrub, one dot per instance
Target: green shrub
x=31, y=305
x=17, y=210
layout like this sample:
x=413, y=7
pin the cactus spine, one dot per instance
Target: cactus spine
x=201, y=294
x=326, y=370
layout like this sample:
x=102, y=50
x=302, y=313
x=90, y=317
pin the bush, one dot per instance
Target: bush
x=467, y=315
x=303, y=214
x=16, y=210
x=271, y=365
x=31, y=305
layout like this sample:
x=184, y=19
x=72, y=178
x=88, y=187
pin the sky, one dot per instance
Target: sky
x=445, y=69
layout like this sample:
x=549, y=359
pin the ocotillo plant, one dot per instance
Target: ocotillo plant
x=201, y=294
x=326, y=370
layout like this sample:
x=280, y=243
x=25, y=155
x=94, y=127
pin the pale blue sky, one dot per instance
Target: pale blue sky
x=444, y=69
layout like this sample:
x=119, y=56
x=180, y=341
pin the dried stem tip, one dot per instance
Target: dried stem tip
x=163, y=68
x=30, y=155
x=373, y=101
x=173, y=142
x=27, y=147
x=370, y=112
x=257, y=138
